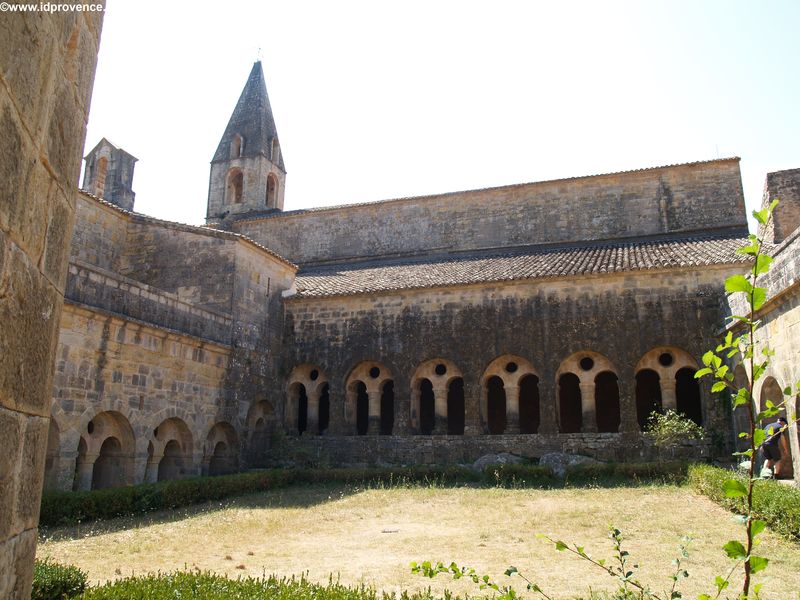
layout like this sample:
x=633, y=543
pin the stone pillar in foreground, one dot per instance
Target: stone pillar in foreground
x=47, y=64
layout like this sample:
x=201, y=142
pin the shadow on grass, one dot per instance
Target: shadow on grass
x=298, y=496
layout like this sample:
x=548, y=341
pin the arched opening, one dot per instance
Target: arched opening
x=455, y=407
x=569, y=403
x=276, y=151
x=495, y=405
x=80, y=461
x=171, y=465
x=648, y=396
x=51, y=458
x=109, y=468
x=771, y=390
x=387, y=408
x=237, y=146
x=324, y=409
x=100, y=180
x=235, y=187
x=687, y=395
x=272, y=191
x=529, y=404
x=222, y=449
x=362, y=408
x=302, y=408
x=427, y=407
x=219, y=459
x=606, y=398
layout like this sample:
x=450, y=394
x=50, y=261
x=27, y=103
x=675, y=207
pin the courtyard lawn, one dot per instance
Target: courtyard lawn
x=370, y=536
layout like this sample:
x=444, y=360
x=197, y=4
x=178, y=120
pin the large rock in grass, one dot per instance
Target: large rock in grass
x=493, y=460
x=559, y=462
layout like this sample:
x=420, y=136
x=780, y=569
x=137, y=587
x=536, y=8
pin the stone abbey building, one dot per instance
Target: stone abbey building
x=549, y=316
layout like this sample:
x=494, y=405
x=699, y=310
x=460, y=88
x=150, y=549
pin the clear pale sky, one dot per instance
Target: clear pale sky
x=379, y=99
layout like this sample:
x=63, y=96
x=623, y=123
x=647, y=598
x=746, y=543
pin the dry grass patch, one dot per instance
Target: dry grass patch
x=371, y=536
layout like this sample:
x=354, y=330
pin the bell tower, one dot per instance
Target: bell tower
x=247, y=171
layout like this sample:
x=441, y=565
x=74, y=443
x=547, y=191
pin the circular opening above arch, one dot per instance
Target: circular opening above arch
x=665, y=359
x=586, y=363
x=374, y=372
x=440, y=369
x=511, y=367
x=314, y=375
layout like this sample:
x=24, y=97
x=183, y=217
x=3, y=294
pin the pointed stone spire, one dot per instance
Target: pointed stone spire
x=252, y=120
x=247, y=171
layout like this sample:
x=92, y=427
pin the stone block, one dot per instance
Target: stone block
x=29, y=314
x=26, y=61
x=12, y=433
x=31, y=472
x=57, y=240
x=66, y=130
x=12, y=165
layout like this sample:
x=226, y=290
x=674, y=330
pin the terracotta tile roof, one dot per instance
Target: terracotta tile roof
x=517, y=264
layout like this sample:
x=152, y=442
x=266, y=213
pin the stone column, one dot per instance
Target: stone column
x=337, y=424
x=312, y=413
x=402, y=408
x=627, y=406
x=668, y=399
x=472, y=403
x=548, y=405
x=374, y=422
x=151, y=471
x=440, y=409
x=588, y=408
x=512, y=409
x=84, y=472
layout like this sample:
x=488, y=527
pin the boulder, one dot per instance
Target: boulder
x=492, y=460
x=558, y=462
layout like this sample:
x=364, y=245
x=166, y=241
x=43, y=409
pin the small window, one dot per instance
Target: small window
x=233, y=193
x=272, y=190
x=100, y=182
x=237, y=146
x=276, y=151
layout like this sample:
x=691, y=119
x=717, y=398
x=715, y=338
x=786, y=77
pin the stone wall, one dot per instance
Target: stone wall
x=141, y=376
x=785, y=186
x=113, y=293
x=167, y=347
x=47, y=64
x=780, y=331
x=454, y=449
x=618, y=320
x=637, y=203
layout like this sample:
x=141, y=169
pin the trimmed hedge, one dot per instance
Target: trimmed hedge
x=64, y=508
x=776, y=504
x=209, y=586
x=54, y=581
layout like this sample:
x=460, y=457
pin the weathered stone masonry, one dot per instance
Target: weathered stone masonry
x=47, y=63
x=526, y=318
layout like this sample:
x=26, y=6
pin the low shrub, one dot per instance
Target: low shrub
x=776, y=504
x=521, y=475
x=54, y=581
x=210, y=586
x=624, y=473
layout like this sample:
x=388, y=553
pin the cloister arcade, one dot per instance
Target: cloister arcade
x=587, y=395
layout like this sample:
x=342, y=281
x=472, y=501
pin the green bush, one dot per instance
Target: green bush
x=54, y=581
x=209, y=586
x=776, y=504
x=624, y=473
